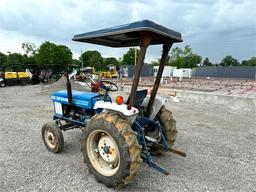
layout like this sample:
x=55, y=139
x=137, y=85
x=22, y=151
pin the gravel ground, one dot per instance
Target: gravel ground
x=220, y=144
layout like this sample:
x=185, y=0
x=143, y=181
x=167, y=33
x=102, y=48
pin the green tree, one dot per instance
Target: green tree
x=15, y=62
x=129, y=56
x=155, y=62
x=45, y=53
x=3, y=59
x=184, y=58
x=28, y=60
x=252, y=61
x=92, y=59
x=229, y=61
x=62, y=55
x=207, y=62
x=176, y=57
x=28, y=48
x=29, y=53
x=245, y=63
x=120, y=60
x=76, y=62
x=110, y=61
x=53, y=56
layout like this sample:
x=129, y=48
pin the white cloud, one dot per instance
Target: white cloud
x=214, y=28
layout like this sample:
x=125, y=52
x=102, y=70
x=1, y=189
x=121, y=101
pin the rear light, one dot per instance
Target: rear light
x=119, y=100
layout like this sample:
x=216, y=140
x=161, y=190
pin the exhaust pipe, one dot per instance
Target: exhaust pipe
x=69, y=91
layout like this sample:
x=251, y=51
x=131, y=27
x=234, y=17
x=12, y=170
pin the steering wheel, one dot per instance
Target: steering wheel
x=109, y=86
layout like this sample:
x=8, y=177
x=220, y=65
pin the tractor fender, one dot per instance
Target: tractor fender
x=115, y=107
x=158, y=103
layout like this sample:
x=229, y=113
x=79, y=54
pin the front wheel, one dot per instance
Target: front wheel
x=52, y=137
x=2, y=84
x=111, y=150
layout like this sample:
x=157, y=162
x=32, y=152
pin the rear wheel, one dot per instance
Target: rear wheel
x=111, y=150
x=52, y=137
x=168, y=123
x=24, y=81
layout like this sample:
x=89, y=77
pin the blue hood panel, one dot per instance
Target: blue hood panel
x=80, y=99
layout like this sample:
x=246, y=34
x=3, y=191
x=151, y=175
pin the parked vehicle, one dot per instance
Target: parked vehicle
x=111, y=72
x=118, y=135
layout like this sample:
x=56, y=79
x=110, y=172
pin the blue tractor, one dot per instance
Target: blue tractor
x=118, y=135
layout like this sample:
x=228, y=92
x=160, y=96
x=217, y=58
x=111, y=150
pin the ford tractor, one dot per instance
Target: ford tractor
x=118, y=134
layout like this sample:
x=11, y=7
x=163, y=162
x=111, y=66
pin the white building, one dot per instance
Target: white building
x=183, y=72
x=168, y=71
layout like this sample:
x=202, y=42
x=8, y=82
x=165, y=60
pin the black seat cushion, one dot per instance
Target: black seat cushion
x=140, y=96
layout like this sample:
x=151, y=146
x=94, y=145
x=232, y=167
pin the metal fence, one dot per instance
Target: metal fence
x=243, y=72
x=147, y=70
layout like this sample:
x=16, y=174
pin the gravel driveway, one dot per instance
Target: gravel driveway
x=220, y=144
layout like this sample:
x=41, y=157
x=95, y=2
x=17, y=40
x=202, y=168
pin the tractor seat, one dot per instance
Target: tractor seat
x=140, y=96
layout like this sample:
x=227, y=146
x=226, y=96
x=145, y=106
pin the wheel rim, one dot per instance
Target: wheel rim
x=50, y=138
x=103, y=152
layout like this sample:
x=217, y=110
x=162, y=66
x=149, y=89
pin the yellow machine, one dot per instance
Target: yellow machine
x=14, y=78
x=111, y=73
x=11, y=78
x=23, y=78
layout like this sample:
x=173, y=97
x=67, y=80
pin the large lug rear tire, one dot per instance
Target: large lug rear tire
x=52, y=137
x=24, y=81
x=168, y=123
x=111, y=150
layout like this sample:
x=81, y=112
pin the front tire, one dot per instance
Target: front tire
x=52, y=137
x=2, y=84
x=111, y=150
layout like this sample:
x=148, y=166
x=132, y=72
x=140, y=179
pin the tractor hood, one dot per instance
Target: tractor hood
x=80, y=99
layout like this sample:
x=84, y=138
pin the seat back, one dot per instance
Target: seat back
x=140, y=96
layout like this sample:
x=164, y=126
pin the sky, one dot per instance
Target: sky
x=214, y=28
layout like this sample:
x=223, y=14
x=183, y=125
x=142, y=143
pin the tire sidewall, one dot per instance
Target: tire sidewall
x=123, y=148
x=2, y=84
x=57, y=135
x=165, y=130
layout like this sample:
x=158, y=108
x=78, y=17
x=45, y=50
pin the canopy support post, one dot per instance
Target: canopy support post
x=163, y=61
x=145, y=41
x=69, y=89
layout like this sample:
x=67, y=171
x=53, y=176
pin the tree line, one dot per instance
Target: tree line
x=47, y=56
x=58, y=57
x=186, y=58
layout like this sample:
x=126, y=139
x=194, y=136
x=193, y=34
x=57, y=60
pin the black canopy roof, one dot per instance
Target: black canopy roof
x=129, y=35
